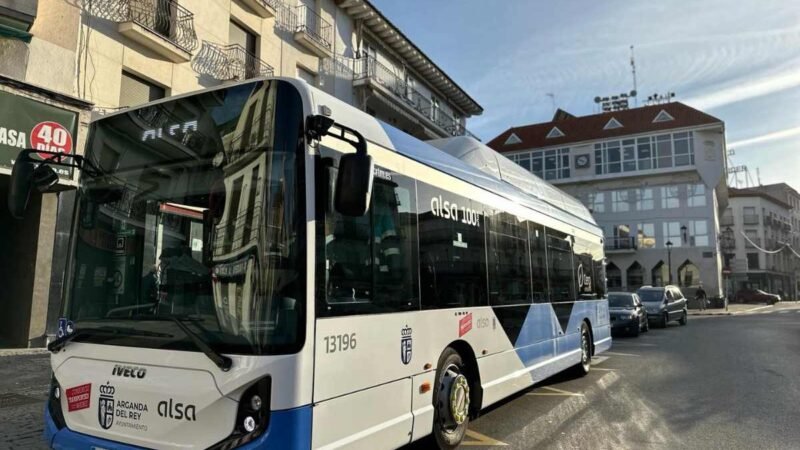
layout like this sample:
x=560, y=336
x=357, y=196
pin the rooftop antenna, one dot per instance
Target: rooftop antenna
x=552, y=100
x=633, y=71
x=758, y=176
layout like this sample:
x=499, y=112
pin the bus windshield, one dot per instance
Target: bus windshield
x=195, y=215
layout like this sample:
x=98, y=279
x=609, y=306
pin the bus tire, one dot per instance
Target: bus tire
x=451, y=398
x=583, y=367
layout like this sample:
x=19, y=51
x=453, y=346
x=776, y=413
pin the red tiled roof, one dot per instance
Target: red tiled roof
x=577, y=129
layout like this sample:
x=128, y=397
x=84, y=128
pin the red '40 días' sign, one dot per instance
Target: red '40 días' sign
x=51, y=137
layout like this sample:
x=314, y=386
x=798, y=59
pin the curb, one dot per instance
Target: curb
x=23, y=352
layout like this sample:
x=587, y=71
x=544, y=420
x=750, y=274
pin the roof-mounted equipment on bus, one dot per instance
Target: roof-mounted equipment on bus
x=356, y=170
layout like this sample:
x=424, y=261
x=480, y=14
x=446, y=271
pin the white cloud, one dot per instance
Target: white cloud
x=746, y=88
x=769, y=137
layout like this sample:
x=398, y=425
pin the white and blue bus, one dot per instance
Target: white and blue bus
x=261, y=265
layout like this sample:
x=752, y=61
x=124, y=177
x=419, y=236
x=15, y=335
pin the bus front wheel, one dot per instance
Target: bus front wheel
x=451, y=399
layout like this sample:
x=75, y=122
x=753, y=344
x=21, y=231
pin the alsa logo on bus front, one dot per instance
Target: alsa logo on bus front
x=451, y=210
x=172, y=130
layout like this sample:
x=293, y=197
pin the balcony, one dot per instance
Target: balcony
x=726, y=221
x=263, y=8
x=750, y=219
x=620, y=244
x=368, y=72
x=163, y=26
x=229, y=63
x=756, y=241
x=312, y=31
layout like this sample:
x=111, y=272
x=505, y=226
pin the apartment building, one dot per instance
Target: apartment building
x=654, y=179
x=763, y=220
x=79, y=57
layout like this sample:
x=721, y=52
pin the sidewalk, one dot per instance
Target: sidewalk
x=733, y=309
x=24, y=380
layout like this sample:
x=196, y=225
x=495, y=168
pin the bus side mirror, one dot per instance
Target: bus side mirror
x=354, y=184
x=26, y=175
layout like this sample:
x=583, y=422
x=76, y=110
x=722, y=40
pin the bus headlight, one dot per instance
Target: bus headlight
x=249, y=424
x=255, y=403
x=252, y=417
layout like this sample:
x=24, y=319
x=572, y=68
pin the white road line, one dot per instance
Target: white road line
x=603, y=369
x=620, y=354
x=635, y=344
x=555, y=392
x=600, y=359
x=784, y=311
x=482, y=440
x=751, y=310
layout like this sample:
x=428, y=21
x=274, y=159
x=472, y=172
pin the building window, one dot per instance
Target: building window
x=135, y=90
x=547, y=164
x=752, y=236
x=635, y=276
x=644, y=153
x=752, y=261
x=688, y=274
x=684, y=149
x=307, y=75
x=644, y=199
x=597, y=202
x=696, y=194
x=669, y=197
x=662, y=151
x=698, y=232
x=749, y=215
x=620, y=201
x=672, y=233
x=613, y=277
x=646, y=235
x=240, y=36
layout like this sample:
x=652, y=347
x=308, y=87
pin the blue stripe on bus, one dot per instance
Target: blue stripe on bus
x=535, y=341
x=288, y=429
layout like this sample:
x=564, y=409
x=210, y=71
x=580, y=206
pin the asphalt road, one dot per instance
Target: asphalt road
x=721, y=382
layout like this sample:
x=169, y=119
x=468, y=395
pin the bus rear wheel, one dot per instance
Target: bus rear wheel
x=451, y=398
x=583, y=367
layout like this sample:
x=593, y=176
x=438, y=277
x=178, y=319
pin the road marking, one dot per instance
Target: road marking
x=482, y=439
x=620, y=354
x=751, y=310
x=603, y=369
x=555, y=392
x=784, y=311
x=600, y=359
x=635, y=344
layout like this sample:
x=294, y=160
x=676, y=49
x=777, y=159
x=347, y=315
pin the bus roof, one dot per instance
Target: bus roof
x=464, y=158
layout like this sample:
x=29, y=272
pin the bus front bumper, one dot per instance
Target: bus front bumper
x=288, y=429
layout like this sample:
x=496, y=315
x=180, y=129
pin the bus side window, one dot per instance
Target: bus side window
x=451, y=250
x=560, y=273
x=370, y=261
x=538, y=263
x=509, y=264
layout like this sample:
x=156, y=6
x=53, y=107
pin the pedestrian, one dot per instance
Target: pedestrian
x=700, y=296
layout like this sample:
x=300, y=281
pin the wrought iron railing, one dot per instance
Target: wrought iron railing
x=308, y=21
x=751, y=219
x=620, y=243
x=370, y=67
x=229, y=62
x=165, y=18
x=273, y=4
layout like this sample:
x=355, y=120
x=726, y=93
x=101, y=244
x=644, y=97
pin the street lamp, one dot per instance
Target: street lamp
x=669, y=261
x=683, y=233
x=728, y=245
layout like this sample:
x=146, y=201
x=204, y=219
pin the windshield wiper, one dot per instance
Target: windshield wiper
x=222, y=361
x=59, y=343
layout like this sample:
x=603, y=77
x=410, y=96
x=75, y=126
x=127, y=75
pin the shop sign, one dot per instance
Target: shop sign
x=26, y=123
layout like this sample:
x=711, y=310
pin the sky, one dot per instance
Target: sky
x=736, y=60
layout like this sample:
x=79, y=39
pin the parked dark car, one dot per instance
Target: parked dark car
x=756, y=296
x=627, y=313
x=664, y=304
